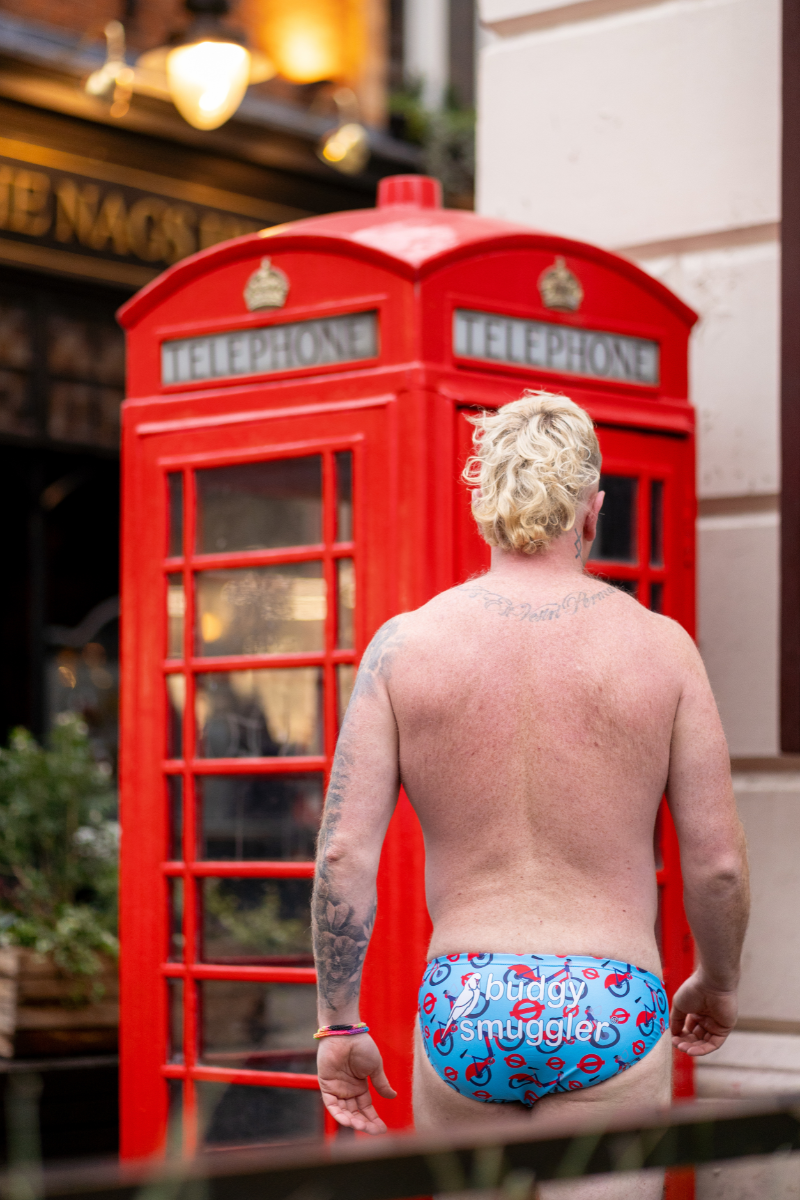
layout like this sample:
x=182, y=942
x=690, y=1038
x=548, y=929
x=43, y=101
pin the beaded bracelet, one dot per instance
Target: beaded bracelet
x=341, y=1030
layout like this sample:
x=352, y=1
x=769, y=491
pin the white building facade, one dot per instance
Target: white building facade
x=653, y=128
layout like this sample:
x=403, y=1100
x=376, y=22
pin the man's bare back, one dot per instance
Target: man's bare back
x=535, y=717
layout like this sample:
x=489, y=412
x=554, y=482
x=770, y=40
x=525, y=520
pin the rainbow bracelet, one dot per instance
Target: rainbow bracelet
x=341, y=1030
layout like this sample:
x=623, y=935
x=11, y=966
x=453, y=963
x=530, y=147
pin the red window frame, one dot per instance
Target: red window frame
x=191, y=869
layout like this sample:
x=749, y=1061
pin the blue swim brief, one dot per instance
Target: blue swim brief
x=515, y=1027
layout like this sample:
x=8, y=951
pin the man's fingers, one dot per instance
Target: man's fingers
x=354, y=1112
x=677, y=1020
x=382, y=1085
x=699, y=1036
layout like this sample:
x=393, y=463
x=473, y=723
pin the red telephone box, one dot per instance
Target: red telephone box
x=293, y=438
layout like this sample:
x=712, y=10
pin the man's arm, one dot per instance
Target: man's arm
x=361, y=797
x=713, y=861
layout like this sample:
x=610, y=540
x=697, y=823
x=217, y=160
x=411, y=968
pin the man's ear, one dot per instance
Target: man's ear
x=590, y=520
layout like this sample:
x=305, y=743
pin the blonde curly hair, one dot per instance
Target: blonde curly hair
x=534, y=462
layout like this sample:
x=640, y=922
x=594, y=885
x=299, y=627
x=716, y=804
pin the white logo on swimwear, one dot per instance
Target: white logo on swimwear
x=466, y=1002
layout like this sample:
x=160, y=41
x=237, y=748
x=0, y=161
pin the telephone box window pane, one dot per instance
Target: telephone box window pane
x=176, y=701
x=176, y=609
x=251, y=922
x=233, y=1114
x=175, y=792
x=616, y=529
x=346, y=586
x=258, y=1026
x=175, y=484
x=175, y=1013
x=174, y=1147
x=631, y=586
x=176, y=940
x=344, y=496
x=657, y=597
x=252, y=817
x=260, y=506
x=345, y=681
x=258, y=714
x=657, y=523
x=263, y=610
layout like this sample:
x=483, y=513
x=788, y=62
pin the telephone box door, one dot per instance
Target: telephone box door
x=248, y=559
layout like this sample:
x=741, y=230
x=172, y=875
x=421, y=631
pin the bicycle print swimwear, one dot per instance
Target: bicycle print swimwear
x=507, y=1028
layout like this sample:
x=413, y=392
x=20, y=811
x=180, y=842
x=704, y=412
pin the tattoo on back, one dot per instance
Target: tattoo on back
x=341, y=936
x=519, y=611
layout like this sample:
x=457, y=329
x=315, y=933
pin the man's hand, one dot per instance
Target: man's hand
x=702, y=1016
x=344, y=1064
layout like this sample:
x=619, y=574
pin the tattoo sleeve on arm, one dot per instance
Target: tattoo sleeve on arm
x=341, y=932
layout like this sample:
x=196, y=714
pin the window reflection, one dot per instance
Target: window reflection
x=252, y=714
x=345, y=681
x=268, y=817
x=344, y=496
x=175, y=793
x=176, y=610
x=631, y=586
x=616, y=528
x=657, y=523
x=259, y=506
x=252, y=921
x=346, y=587
x=175, y=887
x=86, y=364
x=175, y=1019
x=258, y=1026
x=176, y=702
x=263, y=610
x=233, y=1114
x=175, y=486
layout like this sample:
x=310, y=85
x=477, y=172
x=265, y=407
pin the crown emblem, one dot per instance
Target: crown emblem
x=560, y=288
x=267, y=287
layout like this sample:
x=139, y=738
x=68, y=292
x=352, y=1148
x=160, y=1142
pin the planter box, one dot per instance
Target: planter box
x=42, y=1013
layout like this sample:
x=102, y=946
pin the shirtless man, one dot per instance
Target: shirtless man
x=535, y=717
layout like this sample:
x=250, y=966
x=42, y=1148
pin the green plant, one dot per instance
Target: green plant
x=257, y=926
x=447, y=138
x=58, y=849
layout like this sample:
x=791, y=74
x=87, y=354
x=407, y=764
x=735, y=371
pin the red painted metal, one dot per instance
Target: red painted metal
x=402, y=414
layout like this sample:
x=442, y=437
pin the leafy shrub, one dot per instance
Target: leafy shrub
x=58, y=849
x=447, y=138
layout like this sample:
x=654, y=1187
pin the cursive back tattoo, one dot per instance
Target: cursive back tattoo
x=521, y=611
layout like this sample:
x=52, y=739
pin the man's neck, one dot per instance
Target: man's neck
x=565, y=556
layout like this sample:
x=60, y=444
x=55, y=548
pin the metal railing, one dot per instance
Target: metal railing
x=506, y=1157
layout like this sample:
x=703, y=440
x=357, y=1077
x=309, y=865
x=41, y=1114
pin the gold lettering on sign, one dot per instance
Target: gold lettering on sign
x=31, y=194
x=146, y=231
x=111, y=225
x=179, y=223
x=6, y=181
x=69, y=210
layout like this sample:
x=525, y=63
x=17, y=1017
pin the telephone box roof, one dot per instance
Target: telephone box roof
x=408, y=233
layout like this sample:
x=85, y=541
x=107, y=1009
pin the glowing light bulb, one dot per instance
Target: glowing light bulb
x=347, y=148
x=208, y=81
